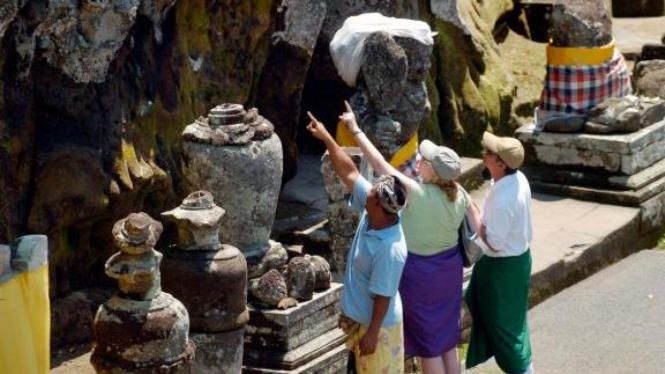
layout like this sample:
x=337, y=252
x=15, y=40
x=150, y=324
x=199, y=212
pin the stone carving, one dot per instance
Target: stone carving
x=649, y=78
x=82, y=40
x=140, y=329
x=235, y=155
x=564, y=104
x=392, y=101
x=625, y=114
x=322, y=275
x=229, y=124
x=300, y=278
x=581, y=23
x=297, y=281
x=198, y=221
x=217, y=304
x=269, y=289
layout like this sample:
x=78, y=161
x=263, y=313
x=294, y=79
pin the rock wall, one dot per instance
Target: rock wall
x=95, y=94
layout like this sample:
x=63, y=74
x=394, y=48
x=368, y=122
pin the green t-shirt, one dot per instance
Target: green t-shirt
x=430, y=221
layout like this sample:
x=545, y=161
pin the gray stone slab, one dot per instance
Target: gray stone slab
x=298, y=357
x=608, y=196
x=624, y=144
x=557, y=175
x=652, y=214
x=333, y=362
x=297, y=334
x=626, y=154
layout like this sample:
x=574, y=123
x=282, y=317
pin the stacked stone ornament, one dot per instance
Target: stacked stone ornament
x=211, y=280
x=140, y=329
x=236, y=156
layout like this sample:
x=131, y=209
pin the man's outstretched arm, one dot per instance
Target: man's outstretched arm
x=342, y=163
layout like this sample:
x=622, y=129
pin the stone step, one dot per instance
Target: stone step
x=256, y=359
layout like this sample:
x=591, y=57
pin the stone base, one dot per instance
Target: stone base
x=219, y=353
x=332, y=362
x=290, y=339
x=622, y=169
x=620, y=154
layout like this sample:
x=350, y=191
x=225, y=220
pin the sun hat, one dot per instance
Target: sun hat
x=445, y=162
x=509, y=150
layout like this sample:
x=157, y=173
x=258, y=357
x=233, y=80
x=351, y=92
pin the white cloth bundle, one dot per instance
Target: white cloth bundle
x=347, y=45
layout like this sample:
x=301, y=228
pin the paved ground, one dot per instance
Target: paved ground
x=630, y=34
x=612, y=322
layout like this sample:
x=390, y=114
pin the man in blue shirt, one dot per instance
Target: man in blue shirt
x=370, y=298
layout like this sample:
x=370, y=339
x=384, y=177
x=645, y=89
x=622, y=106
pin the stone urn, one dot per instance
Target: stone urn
x=140, y=329
x=211, y=280
x=236, y=156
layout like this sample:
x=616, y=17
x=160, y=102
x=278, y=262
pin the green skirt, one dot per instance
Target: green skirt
x=498, y=300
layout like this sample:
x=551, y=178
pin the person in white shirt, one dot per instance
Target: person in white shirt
x=498, y=293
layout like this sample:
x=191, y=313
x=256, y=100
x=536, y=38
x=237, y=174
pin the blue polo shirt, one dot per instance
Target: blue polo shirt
x=374, y=265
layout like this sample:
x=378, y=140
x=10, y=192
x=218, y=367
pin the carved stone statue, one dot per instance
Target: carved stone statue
x=140, y=329
x=581, y=45
x=391, y=101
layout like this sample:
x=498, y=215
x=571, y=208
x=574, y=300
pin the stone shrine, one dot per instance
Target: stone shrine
x=140, y=329
x=391, y=99
x=215, y=290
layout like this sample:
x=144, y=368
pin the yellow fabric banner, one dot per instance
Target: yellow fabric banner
x=25, y=322
x=579, y=56
x=345, y=139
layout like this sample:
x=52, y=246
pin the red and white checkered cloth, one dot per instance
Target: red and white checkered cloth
x=575, y=89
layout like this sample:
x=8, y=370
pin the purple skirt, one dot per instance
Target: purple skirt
x=431, y=291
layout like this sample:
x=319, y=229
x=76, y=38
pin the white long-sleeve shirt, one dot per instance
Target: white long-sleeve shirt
x=507, y=216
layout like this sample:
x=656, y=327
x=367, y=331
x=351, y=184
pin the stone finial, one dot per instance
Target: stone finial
x=198, y=219
x=136, y=266
x=229, y=124
x=137, y=233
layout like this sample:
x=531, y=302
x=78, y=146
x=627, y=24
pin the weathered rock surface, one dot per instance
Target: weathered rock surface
x=581, y=23
x=626, y=114
x=649, y=78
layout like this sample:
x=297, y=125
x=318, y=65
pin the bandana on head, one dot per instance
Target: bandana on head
x=385, y=190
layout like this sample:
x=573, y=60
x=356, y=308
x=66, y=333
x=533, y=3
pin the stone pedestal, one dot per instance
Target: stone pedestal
x=140, y=329
x=622, y=169
x=213, y=349
x=210, y=279
x=303, y=339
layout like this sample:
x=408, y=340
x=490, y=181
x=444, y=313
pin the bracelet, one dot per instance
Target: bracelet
x=357, y=132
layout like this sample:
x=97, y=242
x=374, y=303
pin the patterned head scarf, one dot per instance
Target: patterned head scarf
x=391, y=193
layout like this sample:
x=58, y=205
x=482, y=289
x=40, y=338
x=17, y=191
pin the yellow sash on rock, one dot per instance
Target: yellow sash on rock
x=345, y=139
x=579, y=56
